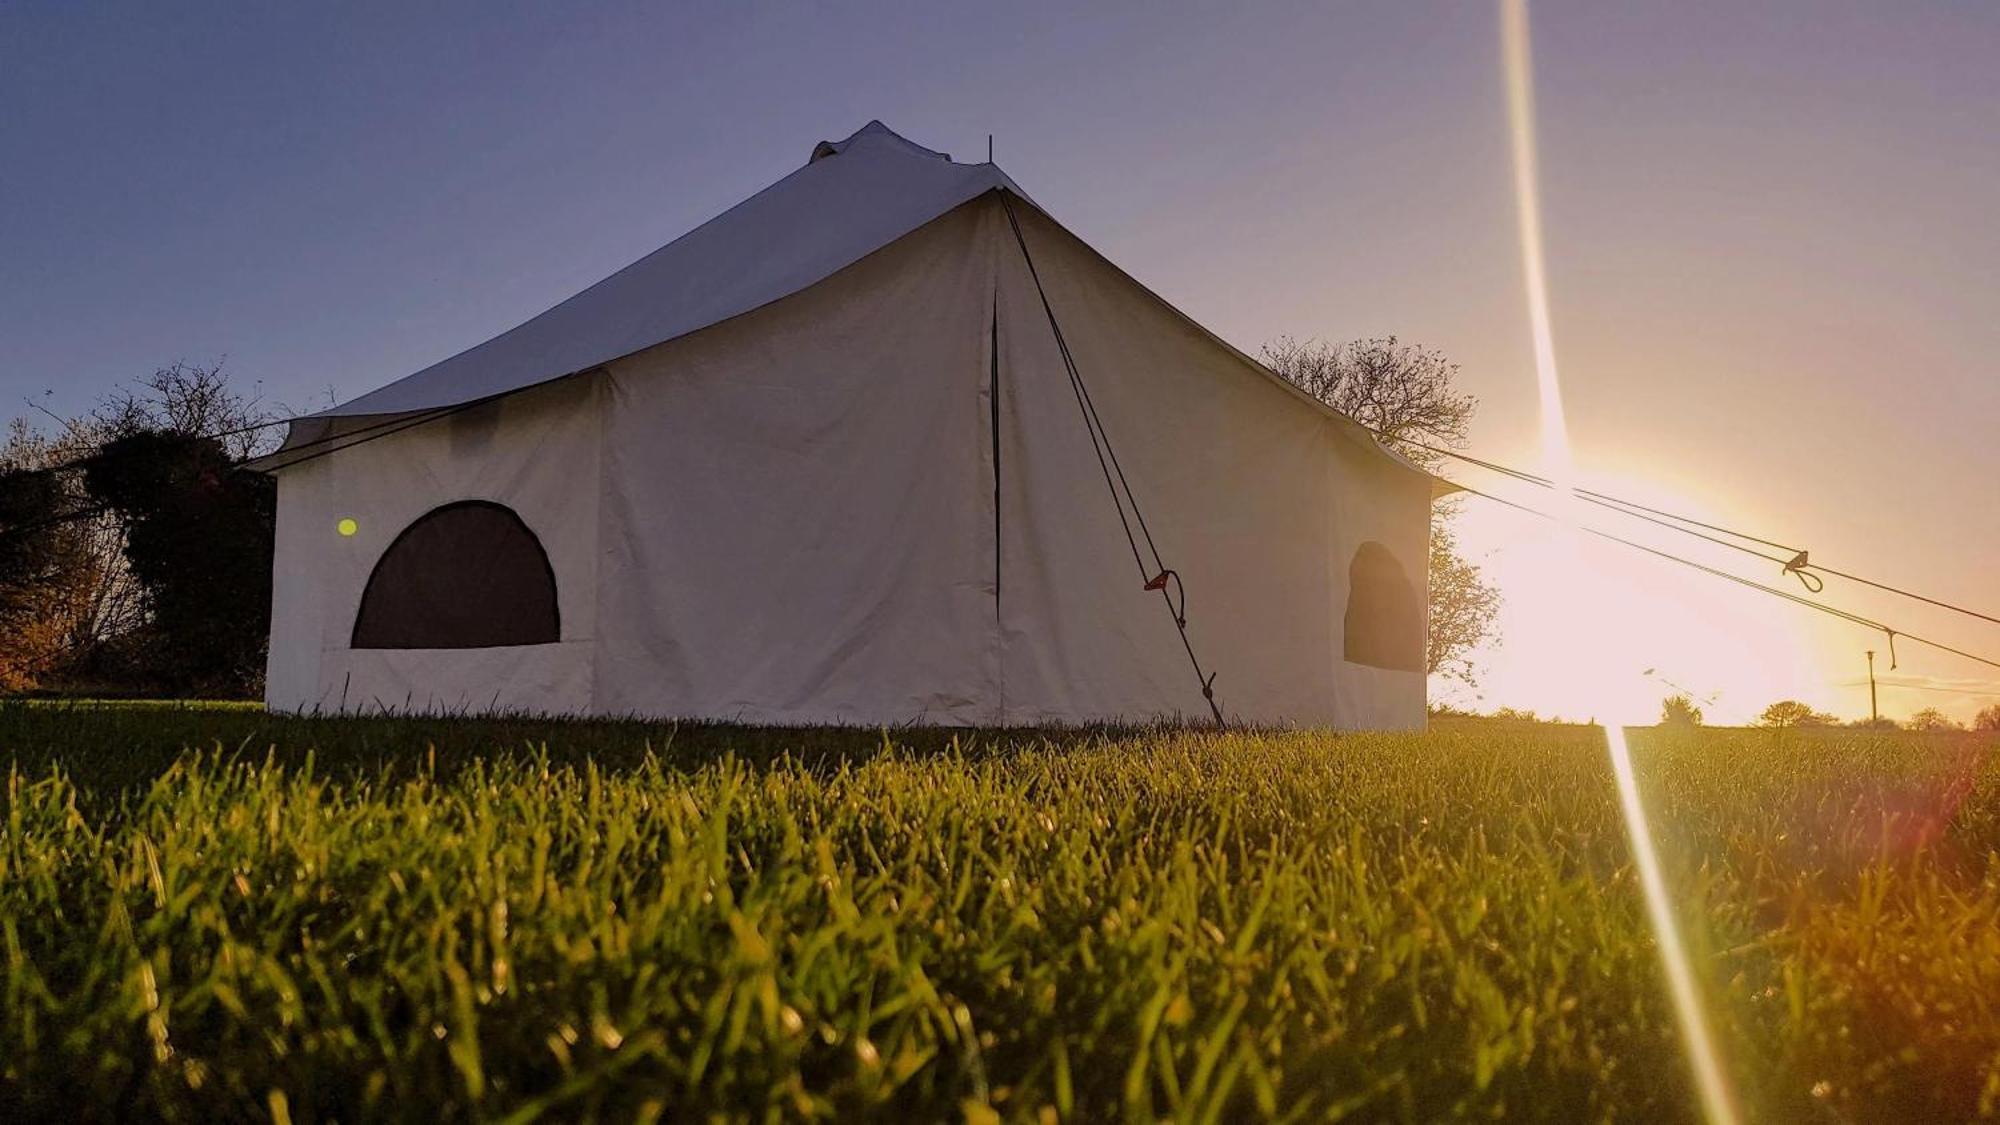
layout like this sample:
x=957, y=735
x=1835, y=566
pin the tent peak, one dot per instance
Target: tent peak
x=818, y=220
x=875, y=133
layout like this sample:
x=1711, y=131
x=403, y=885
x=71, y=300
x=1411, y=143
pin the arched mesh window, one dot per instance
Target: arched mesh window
x=1385, y=621
x=467, y=575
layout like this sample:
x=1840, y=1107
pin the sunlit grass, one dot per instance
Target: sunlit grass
x=368, y=918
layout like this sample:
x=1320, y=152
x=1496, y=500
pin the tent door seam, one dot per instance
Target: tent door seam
x=993, y=413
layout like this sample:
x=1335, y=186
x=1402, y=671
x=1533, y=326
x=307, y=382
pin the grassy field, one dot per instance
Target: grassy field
x=214, y=914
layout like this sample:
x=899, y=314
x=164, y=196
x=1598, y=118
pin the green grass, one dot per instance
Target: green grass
x=210, y=914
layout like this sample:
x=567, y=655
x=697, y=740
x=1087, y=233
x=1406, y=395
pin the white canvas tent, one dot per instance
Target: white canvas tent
x=822, y=460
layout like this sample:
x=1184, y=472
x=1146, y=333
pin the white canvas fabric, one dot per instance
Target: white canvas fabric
x=854, y=197
x=788, y=515
x=794, y=530
x=1256, y=500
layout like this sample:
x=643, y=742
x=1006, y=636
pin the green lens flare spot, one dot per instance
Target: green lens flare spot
x=347, y=527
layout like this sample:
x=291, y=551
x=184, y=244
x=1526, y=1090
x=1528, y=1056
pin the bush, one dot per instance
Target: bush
x=1792, y=713
x=1680, y=711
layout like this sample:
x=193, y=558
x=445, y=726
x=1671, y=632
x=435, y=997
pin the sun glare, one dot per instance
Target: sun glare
x=1673, y=631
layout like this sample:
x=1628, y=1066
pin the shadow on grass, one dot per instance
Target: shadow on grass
x=113, y=746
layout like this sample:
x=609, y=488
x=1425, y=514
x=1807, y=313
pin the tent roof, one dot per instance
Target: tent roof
x=850, y=199
x=853, y=197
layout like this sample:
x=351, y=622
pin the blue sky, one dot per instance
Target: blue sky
x=1775, y=266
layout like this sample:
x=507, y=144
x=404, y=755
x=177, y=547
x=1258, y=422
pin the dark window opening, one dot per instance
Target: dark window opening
x=1385, y=621
x=467, y=575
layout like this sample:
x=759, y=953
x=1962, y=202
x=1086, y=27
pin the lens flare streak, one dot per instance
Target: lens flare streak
x=1519, y=69
x=1517, y=60
x=1714, y=1084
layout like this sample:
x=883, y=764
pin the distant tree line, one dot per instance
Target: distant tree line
x=1680, y=710
x=1792, y=713
x=135, y=556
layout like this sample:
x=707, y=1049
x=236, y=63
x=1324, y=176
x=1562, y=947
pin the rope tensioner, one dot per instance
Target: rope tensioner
x=1159, y=582
x=1122, y=496
x=1798, y=569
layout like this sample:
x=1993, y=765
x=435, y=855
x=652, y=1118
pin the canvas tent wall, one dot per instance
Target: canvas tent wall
x=860, y=492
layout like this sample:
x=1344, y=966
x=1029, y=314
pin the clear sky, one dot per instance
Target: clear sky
x=1773, y=250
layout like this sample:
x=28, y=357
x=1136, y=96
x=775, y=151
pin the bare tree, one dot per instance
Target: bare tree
x=191, y=401
x=1405, y=394
x=1988, y=718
